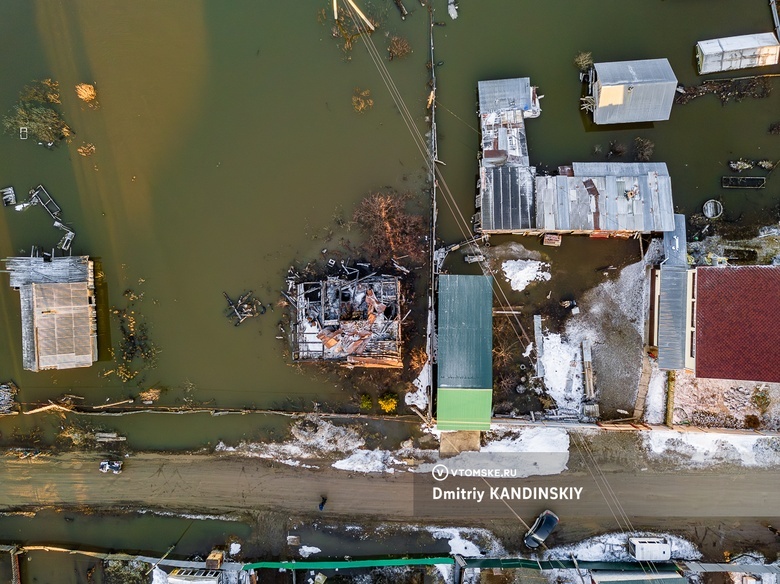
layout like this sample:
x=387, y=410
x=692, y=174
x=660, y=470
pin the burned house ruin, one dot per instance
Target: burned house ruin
x=354, y=322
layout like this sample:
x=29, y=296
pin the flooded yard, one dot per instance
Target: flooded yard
x=227, y=147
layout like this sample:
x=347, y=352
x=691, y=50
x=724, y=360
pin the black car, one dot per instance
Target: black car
x=541, y=529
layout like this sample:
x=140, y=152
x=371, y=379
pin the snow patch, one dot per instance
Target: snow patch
x=307, y=550
x=159, y=577
x=312, y=437
x=655, y=404
x=422, y=382
x=613, y=547
x=528, y=350
x=459, y=544
x=710, y=448
x=368, y=461
x=520, y=273
x=528, y=451
x=235, y=549
x=532, y=439
x=562, y=363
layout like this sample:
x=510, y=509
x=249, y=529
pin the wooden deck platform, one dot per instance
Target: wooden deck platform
x=743, y=182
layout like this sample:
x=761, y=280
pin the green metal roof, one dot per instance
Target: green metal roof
x=465, y=352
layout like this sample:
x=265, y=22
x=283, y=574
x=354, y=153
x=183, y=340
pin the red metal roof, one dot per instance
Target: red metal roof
x=738, y=323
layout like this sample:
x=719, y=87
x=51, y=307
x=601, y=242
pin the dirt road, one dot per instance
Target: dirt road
x=219, y=484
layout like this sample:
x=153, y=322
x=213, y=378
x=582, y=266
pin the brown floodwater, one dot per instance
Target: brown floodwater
x=226, y=144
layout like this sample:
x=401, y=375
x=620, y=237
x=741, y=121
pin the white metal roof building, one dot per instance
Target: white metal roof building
x=59, y=320
x=737, y=52
x=632, y=91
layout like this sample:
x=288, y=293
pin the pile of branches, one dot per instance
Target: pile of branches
x=391, y=232
x=727, y=89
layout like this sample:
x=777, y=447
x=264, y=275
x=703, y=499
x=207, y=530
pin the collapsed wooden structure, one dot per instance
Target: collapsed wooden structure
x=354, y=322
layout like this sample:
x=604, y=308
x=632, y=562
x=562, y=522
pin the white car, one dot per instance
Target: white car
x=114, y=466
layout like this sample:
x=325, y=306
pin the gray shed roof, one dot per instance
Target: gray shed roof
x=501, y=94
x=633, y=91
x=672, y=323
x=675, y=244
x=595, y=199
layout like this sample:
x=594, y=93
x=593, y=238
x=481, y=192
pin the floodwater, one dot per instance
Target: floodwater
x=226, y=145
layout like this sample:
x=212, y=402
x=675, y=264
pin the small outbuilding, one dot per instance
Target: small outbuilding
x=737, y=52
x=59, y=320
x=632, y=91
x=465, y=353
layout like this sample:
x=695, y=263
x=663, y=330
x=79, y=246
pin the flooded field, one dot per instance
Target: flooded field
x=227, y=148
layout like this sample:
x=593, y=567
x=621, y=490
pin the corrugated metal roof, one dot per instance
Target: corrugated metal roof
x=737, y=52
x=633, y=91
x=738, y=323
x=618, y=168
x=634, y=197
x=507, y=198
x=59, y=329
x=499, y=94
x=675, y=244
x=672, y=324
x=465, y=352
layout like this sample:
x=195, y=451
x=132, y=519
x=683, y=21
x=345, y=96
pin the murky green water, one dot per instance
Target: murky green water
x=226, y=142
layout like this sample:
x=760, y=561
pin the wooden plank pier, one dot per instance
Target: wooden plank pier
x=743, y=182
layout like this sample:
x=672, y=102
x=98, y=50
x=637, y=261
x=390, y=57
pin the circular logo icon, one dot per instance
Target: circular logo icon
x=440, y=472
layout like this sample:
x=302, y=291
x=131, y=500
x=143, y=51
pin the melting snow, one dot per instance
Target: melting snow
x=235, y=549
x=368, y=461
x=707, y=448
x=655, y=404
x=159, y=577
x=520, y=273
x=563, y=372
x=307, y=550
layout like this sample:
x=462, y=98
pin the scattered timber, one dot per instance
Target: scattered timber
x=40, y=196
x=726, y=89
x=9, y=196
x=247, y=306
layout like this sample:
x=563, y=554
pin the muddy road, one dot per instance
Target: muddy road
x=203, y=483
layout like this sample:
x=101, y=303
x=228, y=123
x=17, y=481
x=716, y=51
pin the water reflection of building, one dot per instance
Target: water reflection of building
x=59, y=324
x=355, y=322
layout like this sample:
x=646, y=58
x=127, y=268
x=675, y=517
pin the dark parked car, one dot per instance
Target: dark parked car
x=541, y=529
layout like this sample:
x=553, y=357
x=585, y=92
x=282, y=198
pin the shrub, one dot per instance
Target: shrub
x=388, y=402
x=366, y=402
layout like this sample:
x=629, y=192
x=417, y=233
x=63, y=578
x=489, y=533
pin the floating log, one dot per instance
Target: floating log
x=401, y=9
